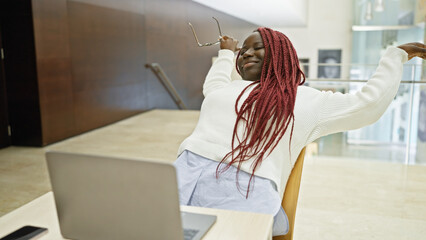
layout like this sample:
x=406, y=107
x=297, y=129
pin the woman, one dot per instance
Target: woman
x=251, y=131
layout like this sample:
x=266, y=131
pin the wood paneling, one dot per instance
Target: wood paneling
x=165, y=44
x=108, y=55
x=54, y=69
x=90, y=58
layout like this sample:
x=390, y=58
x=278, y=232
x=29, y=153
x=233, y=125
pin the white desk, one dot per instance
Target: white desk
x=229, y=225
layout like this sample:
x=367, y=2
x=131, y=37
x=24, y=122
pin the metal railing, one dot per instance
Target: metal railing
x=162, y=77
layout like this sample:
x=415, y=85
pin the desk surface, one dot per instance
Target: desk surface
x=229, y=225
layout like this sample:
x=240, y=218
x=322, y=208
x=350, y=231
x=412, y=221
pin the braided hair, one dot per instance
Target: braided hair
x=267, y=112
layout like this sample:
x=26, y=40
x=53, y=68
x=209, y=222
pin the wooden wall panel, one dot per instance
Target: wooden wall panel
x=170, y=52
x=91, y=57
x=108, y=56
x=54, y=69
x=166, y=45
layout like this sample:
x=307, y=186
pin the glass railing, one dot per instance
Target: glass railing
x=398, y=136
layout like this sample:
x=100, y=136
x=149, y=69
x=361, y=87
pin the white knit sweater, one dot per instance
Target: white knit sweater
x=316, y=114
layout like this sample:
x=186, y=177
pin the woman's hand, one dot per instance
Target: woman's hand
x=414, y=50
x=229, y=43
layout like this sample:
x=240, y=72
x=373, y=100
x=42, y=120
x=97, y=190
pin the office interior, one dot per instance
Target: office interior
x=76, y=76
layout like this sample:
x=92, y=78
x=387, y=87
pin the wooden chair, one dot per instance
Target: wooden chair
x=291, y=195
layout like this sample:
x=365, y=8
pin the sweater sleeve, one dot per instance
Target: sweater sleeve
x=220, y=73
x=341, y=112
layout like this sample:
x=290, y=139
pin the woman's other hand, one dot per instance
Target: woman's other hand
x=414, y=50
x=229, y=43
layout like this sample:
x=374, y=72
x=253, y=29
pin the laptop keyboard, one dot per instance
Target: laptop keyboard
x=189, y=234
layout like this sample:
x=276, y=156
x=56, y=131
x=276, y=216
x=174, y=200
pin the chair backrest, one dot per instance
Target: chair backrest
x=291, y=195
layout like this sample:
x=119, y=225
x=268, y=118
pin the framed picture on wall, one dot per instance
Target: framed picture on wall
x=329, y=57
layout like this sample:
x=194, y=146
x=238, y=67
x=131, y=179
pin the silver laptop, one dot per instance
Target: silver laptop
x=101, y=197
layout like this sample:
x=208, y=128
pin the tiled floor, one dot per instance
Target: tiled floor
x=341, y=197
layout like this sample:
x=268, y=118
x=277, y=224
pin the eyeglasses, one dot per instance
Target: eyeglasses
x=206, y=44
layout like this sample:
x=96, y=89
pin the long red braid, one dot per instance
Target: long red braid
x=268, y=110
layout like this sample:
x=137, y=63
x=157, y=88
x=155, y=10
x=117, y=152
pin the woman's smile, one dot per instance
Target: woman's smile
x=249, y=64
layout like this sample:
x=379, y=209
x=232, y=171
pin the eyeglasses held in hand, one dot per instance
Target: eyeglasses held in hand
x=206, y=44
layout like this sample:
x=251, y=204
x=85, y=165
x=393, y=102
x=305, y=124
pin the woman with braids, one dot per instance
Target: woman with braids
x=251, y=131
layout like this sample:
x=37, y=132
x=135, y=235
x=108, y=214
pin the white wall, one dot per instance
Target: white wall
x=329, y=27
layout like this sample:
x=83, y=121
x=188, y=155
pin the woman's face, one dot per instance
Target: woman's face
x=251, y=57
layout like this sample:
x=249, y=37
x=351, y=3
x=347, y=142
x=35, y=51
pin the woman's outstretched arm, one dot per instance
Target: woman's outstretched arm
x=339, y=112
